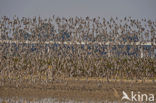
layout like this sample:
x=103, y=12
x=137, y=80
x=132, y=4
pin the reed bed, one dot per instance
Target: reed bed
x=41, y=62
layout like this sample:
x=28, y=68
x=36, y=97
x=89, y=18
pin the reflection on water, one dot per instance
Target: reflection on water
x=45, y=100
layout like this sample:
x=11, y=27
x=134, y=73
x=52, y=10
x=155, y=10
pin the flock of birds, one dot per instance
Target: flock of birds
x=42, y=62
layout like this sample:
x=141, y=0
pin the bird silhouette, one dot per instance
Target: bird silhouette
x=125, y=96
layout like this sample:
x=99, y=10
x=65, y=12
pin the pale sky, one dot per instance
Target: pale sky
x=93, y=8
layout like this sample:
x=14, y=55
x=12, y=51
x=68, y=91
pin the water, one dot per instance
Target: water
x=102, y=50
x=44, y=100
x=48, y=100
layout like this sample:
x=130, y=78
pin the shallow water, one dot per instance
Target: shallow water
x=46, y=100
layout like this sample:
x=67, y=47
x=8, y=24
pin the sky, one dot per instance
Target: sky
x=83, y=8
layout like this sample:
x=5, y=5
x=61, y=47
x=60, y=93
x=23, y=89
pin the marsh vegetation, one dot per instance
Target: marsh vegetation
x=109, y=49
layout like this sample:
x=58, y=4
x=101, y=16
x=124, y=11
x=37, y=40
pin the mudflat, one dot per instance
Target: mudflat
x=94, y=89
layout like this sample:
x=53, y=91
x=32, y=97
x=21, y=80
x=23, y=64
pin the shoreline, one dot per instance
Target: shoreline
x=82, y=89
